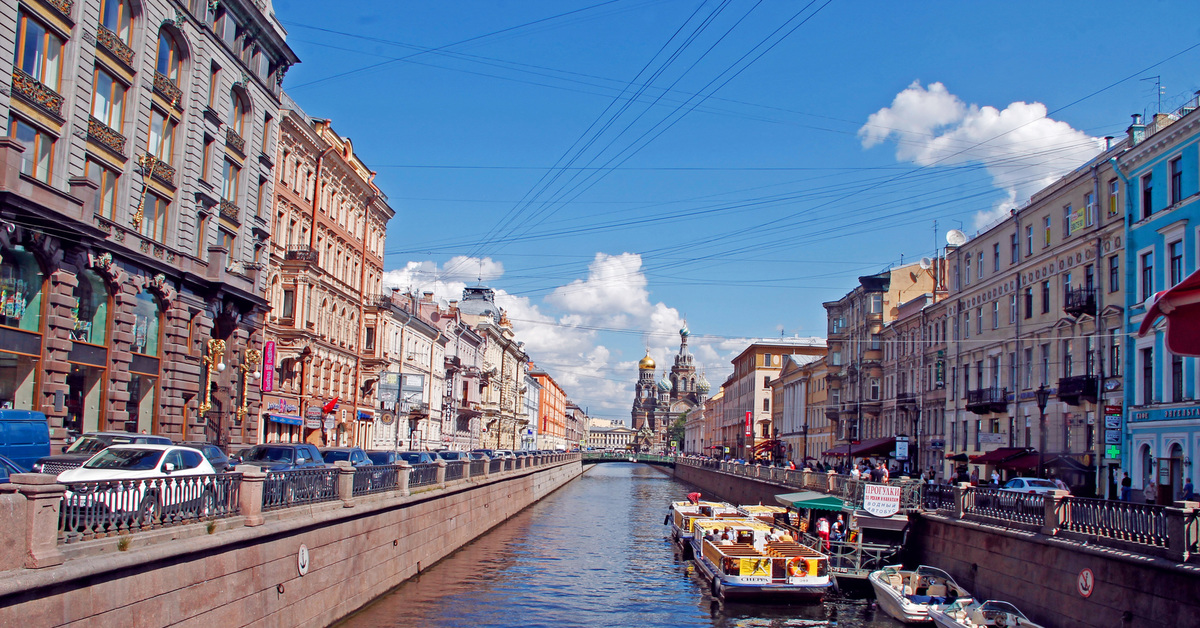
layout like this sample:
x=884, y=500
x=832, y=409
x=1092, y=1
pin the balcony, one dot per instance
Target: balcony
x=106, y=136
x=987, y=400
x=62, y=6
x=831, y=413
x=168, y=90
x=1080, y=301
x=36, y=93
x=235, y=141
x=111, y=42
x=231, y=212
x=300, y=254
x=1075, y=390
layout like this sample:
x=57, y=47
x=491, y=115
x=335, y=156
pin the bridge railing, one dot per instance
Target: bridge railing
x=1142, y=524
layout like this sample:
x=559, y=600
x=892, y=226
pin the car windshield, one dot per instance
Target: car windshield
x=271, y=454
x=379, y=458
x=125, y=459
x=411, y=458
x=1040, y=484
x=334, y=455
x=89, y=445
x=451, y=455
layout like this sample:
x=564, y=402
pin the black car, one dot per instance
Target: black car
x=284, y=456
x=217, y=458
x=88, y=445
x=454, y=455
x=383, y=457
x=355, y=455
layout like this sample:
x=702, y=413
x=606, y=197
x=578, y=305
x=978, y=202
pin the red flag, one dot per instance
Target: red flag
x=331, y=406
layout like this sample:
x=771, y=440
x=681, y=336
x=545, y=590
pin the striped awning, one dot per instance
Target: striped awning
x=285, y=419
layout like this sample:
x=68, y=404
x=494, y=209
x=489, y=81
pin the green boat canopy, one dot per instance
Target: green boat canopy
x=810, y=499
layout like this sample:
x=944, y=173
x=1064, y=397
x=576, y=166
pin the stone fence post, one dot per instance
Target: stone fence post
x=402, y=477
x=1050, y=518
x=487, y=466
x=31, y=537
x=960, y=499
x=1179, y=520
x=441, y=473
x=250, y=494
x=830, y=476
x=345, y=482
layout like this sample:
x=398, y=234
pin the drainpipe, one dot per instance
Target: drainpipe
x=1097, y=434
x=1116, y=166
x=362, y=323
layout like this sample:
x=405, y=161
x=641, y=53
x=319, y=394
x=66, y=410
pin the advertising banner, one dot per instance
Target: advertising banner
x=268, y=374
x=749, y=430
x=901, y=449
x=880, y=500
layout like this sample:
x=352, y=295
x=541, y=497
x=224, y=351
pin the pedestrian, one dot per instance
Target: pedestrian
x=855, y=474
x=791, y=465
x=975, y=476
x=1189, y=492
x=883, y=473
x=995, y=478
x=823, y=531
x=1126, y=488
x=1149, y=491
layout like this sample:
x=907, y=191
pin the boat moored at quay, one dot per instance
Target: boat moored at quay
x=742, y=559
x=909, y=595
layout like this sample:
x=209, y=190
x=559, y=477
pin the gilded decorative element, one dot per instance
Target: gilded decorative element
x=37, y=94
x=213, y=363
x=159, y=252
x=163, y=171
x=112, y=42
x=105, y=265
x=120, y=236
x=168, y=90
x=249, y=369
x=144, y=246
x=63, y=6
x=231, y=211
x=104, y=134
x=235, y=141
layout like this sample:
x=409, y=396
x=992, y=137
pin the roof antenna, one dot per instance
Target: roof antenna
x=1158, y=91
x=479, y=277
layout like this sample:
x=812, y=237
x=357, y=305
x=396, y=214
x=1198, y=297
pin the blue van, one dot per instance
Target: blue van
x=24, y=436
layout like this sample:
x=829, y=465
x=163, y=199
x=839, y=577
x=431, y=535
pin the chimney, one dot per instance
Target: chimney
x=427, y=296
x=1108, y=142
x=1137, y=130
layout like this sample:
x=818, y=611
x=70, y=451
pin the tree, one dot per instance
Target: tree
x=675, y=433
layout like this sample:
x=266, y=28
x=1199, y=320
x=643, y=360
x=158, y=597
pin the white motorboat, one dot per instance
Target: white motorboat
x=980, y=615
x=908, y=595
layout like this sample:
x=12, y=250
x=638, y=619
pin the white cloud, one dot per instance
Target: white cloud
x=446, y=282
x=1021, y=148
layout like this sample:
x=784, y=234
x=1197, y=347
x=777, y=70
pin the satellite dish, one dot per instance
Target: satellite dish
x=954, y=237
x=926, y=263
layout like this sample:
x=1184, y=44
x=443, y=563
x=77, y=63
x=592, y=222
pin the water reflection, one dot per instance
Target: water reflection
x=594, y=553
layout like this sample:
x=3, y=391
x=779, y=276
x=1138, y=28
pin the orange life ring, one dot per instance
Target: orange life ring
x=796, y=567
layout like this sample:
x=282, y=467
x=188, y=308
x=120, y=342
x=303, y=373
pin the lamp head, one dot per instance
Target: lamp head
x=220, y=366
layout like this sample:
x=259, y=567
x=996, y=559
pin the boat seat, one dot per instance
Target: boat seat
x=894, y=580
x=937, y=590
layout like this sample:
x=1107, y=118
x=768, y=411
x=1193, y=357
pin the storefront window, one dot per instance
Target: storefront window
x=17, y=381
x=146, y=325
x=142, y=395
x=91, y=309
x=85, y=392
x=20, y=290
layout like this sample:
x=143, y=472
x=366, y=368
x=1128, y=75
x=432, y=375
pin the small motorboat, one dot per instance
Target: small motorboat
x=908, y=595
x=964, y=614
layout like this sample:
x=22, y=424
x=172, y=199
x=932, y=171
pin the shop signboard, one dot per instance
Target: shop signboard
x=901, y=448
x=312, y=417
x=268, y=374
x=389, y=387
x=881, y=500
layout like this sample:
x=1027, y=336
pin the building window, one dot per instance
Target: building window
x=38, y=159
x=1114, y=273
x=154, y=217
x=1089, y=356
x=106, y=178
x=766, y=408
x=91, y=309
x=876, y=304
x=201, y=235
x=108, y=100
x=1028, y=368
x=230, y=178
x=206, y=158
x=966, y=325
x=228, y=241
x=1068, y=359
x=967, y=278
x=39, y=51
x=874, y=389
x=1012, y=309
x=979, y=320
x=1045, y=297
x=1147, y=275
x=114, y=15
x=1066, y=220
x=766, y=359
x=1066, y=284
x=1028, y=303
x=1114, y=354
x=162, y=135
x=1089, y=209
x=995, y=314
x=1028, y=240
x=766, y=381
x=1046, y=240
x=170, y=62
x=1147, y=195
x=237, y=114
x=996, y=256
x=979, y=268
x=1113, y=190
x=1176, y=170
x=1175, y=250
x=1013, y=245
x=214, y=76
x=875, y=342
x=261, y=198
x=1045, y=364
x=1147, y=376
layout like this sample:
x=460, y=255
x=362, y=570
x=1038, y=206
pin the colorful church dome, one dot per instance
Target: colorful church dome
x=664, y=384
x=647, y=363
x=702, y=385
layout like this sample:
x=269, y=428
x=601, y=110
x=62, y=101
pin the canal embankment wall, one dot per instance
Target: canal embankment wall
x=234, y=575
x=1039, y=573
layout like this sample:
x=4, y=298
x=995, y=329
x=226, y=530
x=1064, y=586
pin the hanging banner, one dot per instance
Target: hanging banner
x=268, y=374
x=749, y=431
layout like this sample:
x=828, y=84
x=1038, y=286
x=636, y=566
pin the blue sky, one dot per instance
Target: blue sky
x=735, y=163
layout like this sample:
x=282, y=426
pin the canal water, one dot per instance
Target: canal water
x=594, y=553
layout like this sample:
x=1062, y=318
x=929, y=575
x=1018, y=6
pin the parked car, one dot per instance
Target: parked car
x=214, y=455
x=24, y=436
x=504, y=453
x=453, y=455
x=490, y=453
x=88, y=445
x=1029, y=485
x=125, y=465
x=355, y=455
x=7, y=468
x=418, y=457
x=383, y=457
x=284, y=456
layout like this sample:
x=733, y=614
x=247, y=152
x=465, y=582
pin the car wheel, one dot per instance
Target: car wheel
x=149, y=511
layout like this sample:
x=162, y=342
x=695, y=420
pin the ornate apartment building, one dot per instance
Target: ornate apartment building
x=505, y=365
x=326, y=265
x=551, y=422
x=745, y=420
x=799, y=395
x=137, y=177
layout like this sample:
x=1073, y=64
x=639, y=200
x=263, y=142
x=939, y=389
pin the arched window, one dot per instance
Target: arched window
x=237, y=112
x=170, y=60
x=1147, y=464
x=21, y=285
x=116, y=17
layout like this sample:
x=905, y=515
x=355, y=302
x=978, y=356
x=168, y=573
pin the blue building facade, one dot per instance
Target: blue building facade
x=1161, y=177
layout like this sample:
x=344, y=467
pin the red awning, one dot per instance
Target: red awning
x=869, y=447
x=1180, y=304
x=996, y=456
x=1021, y=463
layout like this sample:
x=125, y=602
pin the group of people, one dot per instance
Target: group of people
x=728, y=536
x=876, y=473
x=1150, y=490
x=831, y=532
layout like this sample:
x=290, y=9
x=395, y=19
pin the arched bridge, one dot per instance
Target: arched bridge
x=593, y=457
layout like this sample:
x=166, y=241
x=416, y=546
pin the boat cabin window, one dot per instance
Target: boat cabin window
x=745, y=536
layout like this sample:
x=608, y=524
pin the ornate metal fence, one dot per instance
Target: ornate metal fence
x=423, y=474
x=456, y=469
x=105, y=508
x=1143, y=524
x=376, y=479
x=1009, y=506
x=299, y=486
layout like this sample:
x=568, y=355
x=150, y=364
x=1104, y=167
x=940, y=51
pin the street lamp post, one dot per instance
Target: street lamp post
x=1043, y=395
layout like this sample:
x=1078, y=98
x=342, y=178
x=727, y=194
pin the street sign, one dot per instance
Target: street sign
x=901, y=448
x=312, y=418
x=1086, y=582
x=389, y=387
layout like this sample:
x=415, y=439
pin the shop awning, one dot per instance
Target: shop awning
x=997, y=456
x=1020, y=463
x=285, y=419
x=868, y=447
x=957, y=457
x=1180, y=304
x=1068, y=462
x=363, y=415
x=809, y=499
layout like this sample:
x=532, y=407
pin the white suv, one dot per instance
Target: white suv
x=1030, y=485
x=143, y=480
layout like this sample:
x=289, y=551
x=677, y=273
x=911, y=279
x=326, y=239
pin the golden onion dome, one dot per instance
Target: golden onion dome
x=647, y=363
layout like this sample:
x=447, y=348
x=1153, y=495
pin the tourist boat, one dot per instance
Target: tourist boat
x=868, y=542
x=971, y=614
x=908, y=595
x=770, y=515
x=684, y=513
x=756, y=567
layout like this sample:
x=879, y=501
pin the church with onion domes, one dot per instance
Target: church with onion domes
x=657, y=404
